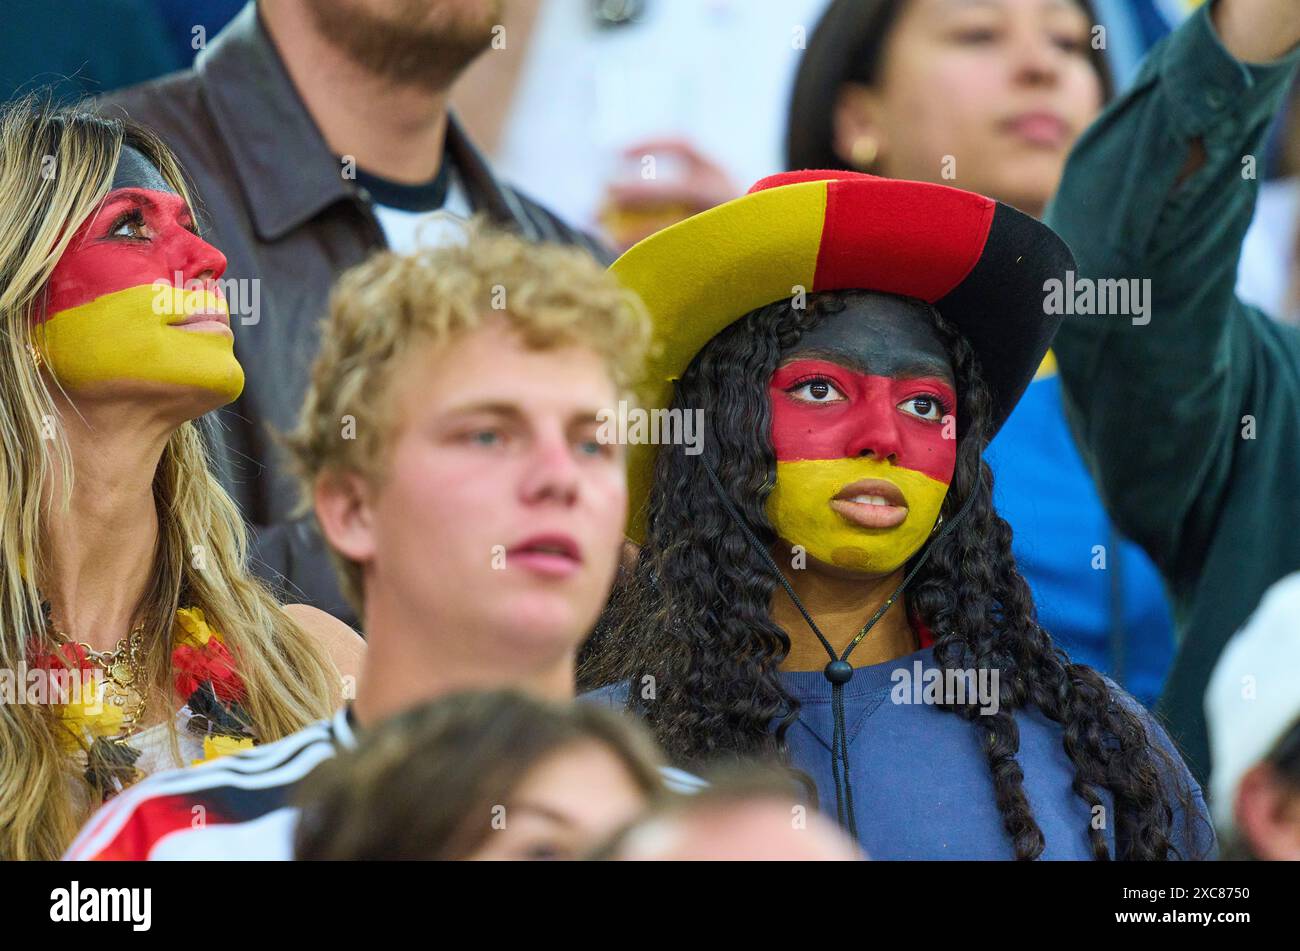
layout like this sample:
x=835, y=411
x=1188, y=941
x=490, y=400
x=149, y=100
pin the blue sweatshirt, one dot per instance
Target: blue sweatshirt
x=1109, y=612
x=921, y=783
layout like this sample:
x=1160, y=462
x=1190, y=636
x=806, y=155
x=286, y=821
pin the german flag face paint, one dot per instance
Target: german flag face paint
x=864, y=455
x=135, y=296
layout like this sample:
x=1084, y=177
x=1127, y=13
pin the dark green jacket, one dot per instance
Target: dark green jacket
x=1188, y=415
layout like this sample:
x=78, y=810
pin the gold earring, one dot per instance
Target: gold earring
x=37, y=359
x=864, y=152
x=937, y=525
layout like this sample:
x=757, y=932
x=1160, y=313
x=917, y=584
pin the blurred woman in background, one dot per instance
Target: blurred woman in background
x=494, y=775
x=990, y=96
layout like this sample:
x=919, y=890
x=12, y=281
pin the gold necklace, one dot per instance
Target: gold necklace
x=124, y=687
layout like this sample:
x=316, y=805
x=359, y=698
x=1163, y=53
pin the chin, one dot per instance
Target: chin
x=178, y=401
x=1030, y=183
x=543, y=622
x=861, y=565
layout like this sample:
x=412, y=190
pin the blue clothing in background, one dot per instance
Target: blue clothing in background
x=1115, y=619
x=78, y=48
x=180, y=17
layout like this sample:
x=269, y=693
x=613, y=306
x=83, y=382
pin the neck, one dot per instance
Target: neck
x=841, y=605
x=101, y=549
x=407, y=663
x=401, y=141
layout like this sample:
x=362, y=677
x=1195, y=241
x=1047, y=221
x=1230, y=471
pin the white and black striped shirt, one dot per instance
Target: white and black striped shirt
x=237, y=807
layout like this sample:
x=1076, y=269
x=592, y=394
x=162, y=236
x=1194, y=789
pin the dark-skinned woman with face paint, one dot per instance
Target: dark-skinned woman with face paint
x=124, y=592
x=990, y=97
x=823, y=577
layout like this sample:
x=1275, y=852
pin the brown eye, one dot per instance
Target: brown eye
x=816, y=391
x=130, y=226
x=923, y=407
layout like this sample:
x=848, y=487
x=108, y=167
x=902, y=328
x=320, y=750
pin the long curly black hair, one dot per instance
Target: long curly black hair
x=694, y=610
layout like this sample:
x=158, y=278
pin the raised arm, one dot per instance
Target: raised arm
x=1159, y=193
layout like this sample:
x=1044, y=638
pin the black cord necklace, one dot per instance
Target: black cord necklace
x=838, y=671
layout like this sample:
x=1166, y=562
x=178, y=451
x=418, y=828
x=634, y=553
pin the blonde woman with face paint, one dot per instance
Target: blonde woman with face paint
x=132, y=636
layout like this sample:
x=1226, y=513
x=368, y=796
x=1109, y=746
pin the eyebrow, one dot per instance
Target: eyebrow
x=1046, y=4
x=514, y=413
x=546, y=812
x=915, y=367
x=141, y=196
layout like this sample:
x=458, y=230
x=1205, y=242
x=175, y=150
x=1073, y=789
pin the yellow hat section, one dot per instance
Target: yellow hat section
x=127, y=335
x=799, y=509
x=699, y=275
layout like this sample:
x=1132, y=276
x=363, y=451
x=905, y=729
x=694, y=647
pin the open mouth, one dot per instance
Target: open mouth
x=871, y=503
x=552, y=555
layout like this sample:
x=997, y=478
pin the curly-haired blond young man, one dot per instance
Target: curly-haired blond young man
x=450, y=446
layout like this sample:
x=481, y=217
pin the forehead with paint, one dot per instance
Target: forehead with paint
x=863, y=410
x=135, y=295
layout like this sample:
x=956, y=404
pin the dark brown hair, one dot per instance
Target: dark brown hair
x=848, y=46
x=422, y=785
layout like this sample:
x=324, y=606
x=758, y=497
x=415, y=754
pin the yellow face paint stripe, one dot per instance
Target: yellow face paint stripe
x=799, y=510
x=127, y=335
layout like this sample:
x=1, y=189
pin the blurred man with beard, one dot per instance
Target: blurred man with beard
x=316, y=132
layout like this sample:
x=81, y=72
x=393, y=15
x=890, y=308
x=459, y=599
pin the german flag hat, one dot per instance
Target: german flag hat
x=982, y=264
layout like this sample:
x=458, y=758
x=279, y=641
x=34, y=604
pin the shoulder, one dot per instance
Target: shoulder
x=162, y=103
x=230, y=791
x=344, y=645
x=1193, y=830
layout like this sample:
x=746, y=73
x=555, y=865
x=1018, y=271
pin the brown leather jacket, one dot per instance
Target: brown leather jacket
x=272, y=198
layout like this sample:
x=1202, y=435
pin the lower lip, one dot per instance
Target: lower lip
x=871, y=516
x=544, y=563
x=1039, y=131
x=206, y=327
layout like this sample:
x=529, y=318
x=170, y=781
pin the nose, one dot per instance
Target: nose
x=1036, y=60
x=552, y=473
x=876, y=435
x=200, y=261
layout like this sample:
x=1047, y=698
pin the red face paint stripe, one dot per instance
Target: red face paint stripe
x=864, y=419
x=922, y=249
x=95, y=264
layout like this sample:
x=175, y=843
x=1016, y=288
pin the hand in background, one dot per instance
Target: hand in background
x=1257, y=31
x=681, y=182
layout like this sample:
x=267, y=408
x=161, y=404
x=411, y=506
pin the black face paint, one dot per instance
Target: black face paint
x=136, y=171
x=878, y=335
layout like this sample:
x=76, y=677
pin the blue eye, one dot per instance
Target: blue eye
x=485, y=437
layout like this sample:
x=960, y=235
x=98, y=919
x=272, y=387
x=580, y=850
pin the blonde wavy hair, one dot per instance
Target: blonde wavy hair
x=392, y=304
x=56, y=167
